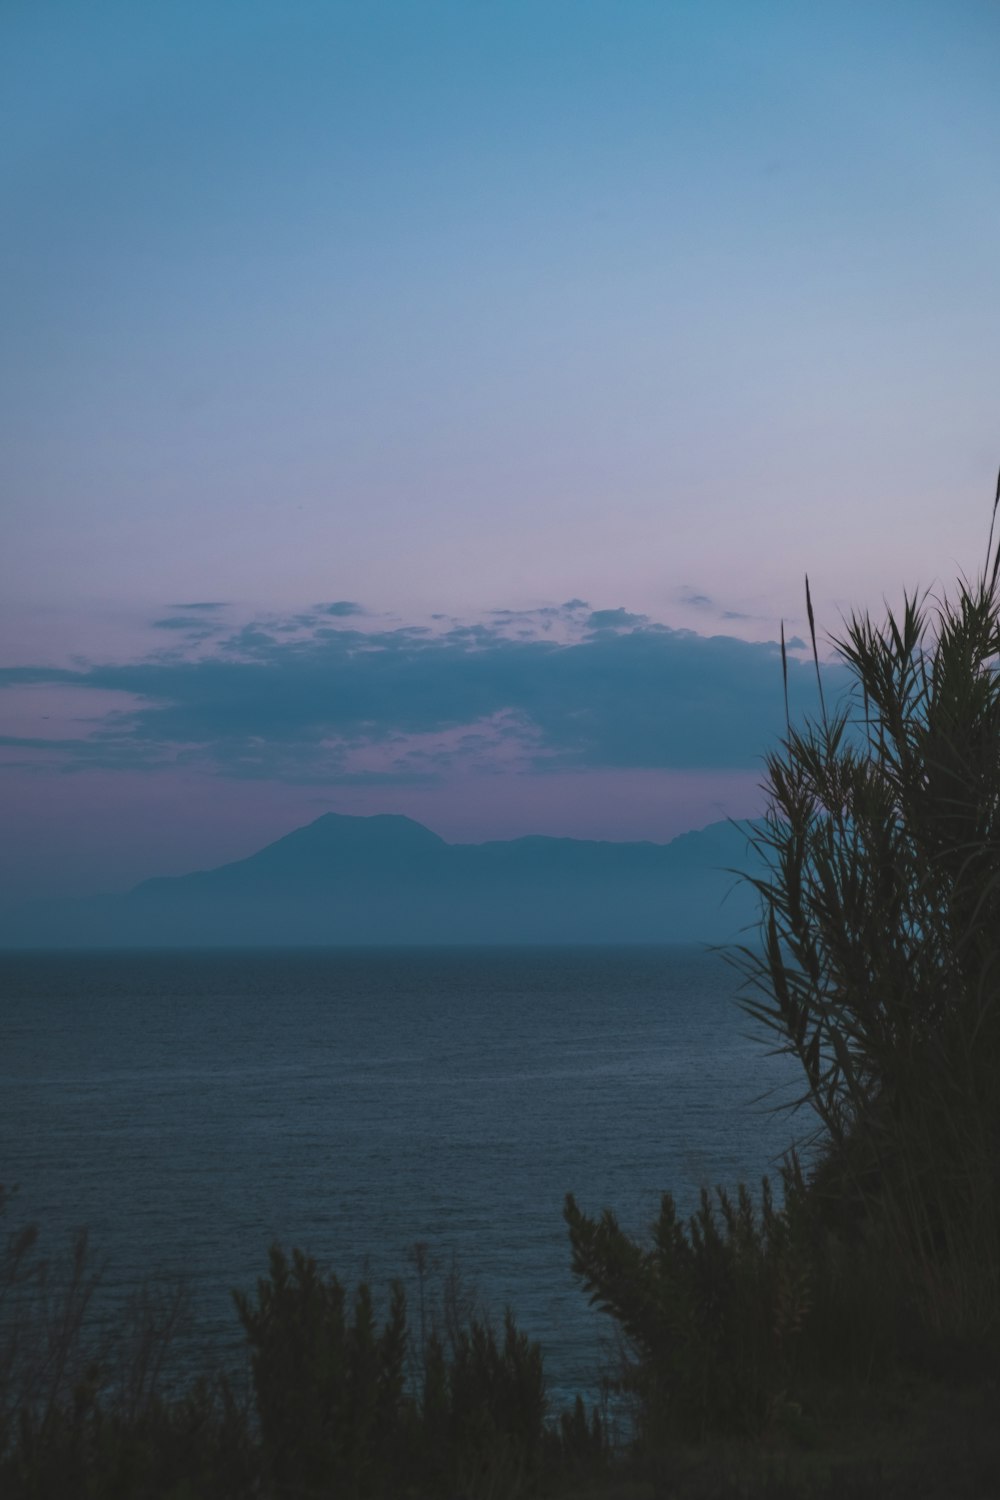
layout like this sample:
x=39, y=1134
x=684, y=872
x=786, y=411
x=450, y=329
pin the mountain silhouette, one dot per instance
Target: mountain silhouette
x=388, y=880
x=333, y=848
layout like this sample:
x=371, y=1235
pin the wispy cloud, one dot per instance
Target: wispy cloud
x=709, y=607
x=340, y=608
x=615, y=619
x=314, y=697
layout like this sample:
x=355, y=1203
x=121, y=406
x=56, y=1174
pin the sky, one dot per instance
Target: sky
x=435, y=407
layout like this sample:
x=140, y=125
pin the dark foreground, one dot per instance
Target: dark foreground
x=339, y=1397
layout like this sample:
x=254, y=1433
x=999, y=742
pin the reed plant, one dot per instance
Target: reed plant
x=878, y=968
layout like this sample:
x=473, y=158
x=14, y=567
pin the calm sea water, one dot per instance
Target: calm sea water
x=191, y=1108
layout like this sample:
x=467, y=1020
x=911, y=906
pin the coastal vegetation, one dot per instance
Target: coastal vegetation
x=838, y=1334
x=878, y=970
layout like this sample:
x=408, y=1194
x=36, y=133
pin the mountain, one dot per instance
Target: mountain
x=388, y=880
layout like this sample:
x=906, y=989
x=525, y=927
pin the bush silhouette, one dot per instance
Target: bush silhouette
x=878, y=970
x=342, y=1404
x=328, y=1386
x=348, y=1409
x=713, y=1310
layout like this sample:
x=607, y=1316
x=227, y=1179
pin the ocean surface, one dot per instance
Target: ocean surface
x=193, y=1107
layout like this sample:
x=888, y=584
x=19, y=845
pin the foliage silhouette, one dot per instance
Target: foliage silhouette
x=878, y=970
x=341, y=1404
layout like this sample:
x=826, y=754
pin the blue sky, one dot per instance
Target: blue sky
x=459, y=313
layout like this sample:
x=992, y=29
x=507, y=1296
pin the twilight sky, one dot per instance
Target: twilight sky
x=433, y=407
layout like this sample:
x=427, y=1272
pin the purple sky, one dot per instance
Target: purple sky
x=434, y=408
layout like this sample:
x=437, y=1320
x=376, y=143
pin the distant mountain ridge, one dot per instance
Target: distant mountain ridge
x=387, y=880
x=327, y=847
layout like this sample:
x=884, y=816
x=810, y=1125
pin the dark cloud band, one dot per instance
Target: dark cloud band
x=305, y=698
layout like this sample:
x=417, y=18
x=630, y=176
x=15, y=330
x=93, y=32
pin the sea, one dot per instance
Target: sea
x=193, y=1108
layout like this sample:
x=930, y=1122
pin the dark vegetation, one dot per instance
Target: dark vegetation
x=339, y=1400
x=837, y=1337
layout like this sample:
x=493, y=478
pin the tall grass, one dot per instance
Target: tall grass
x=878, y=970
x=879, y=967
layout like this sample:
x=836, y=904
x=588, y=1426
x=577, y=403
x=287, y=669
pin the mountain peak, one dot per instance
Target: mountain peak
x=377, y=826
x=346, y=880
x=333, y=837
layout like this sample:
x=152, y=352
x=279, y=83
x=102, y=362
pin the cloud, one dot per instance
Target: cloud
x=185, y=623
x=313, y=701
x=695, y=599
x=557, y=618
x=341, y=608
x=615, y=619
